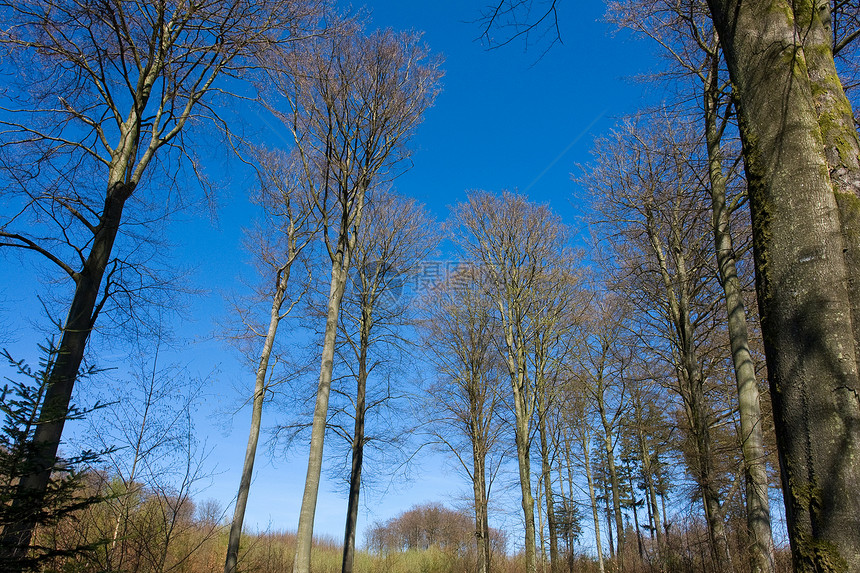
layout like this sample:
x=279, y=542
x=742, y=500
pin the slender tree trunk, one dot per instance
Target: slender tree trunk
x=592, y=495
x=704, y=466
x=567, y=499
x=519, y=382
x=652, y=496
x=635, y=516
x=357, y=446
x=479, y=424
x=82, y=315
x=691, y=389
x=802, y=282
x=614, y=483
x=304, y=541
x=609, y=518
x=749, y=407
x=665, y=515
x=522, y=440
x=546, y=475
x=540, y=528
x=482, y=526
x=256, y=419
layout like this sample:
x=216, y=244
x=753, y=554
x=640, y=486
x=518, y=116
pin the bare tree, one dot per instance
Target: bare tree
x=801, y=155
x=395, y=237
x=556, y=316
x=654, y=220
x=517, y=245
x=103, y=93
x=603, y=363
x=686, y=34
x=288, y=228
x=467, y=401
x=532, y=21
x=351, y=103
x=644, y=407
x=155, y=465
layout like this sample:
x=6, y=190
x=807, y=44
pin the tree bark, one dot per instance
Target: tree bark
x=522, y=440
x=305, y=533
x=841, y=142
x=749, y=406
x=482, y=524
x=802, y=282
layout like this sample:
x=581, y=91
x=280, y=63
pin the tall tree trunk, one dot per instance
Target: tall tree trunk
x=566, y=500
x=516, y=361
x=522, y=440
x=691, y=388
x=614, y=483
x=256, y=419
x=546, y=475
x=304, y=536
x=634, y=503
x=541, y=530
x=749, y=407
x=663, y=495
x=648, y=472
x=698, y=415
x=802, y=282
x=609, y=514
x=30, y=493
x=648, y=475
x=586, y=446
x=357, y=445
x=482, y=525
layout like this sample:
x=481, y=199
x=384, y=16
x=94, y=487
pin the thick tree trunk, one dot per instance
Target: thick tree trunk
x=802, y=282
x=55, y=407
x=256, y=420
x=357, y=446
x=304, y=536
x=749, y=407
x=841, y=142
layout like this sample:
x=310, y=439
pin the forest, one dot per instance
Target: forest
x=668, y=383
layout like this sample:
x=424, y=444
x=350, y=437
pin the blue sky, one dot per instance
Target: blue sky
x=506, y=119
